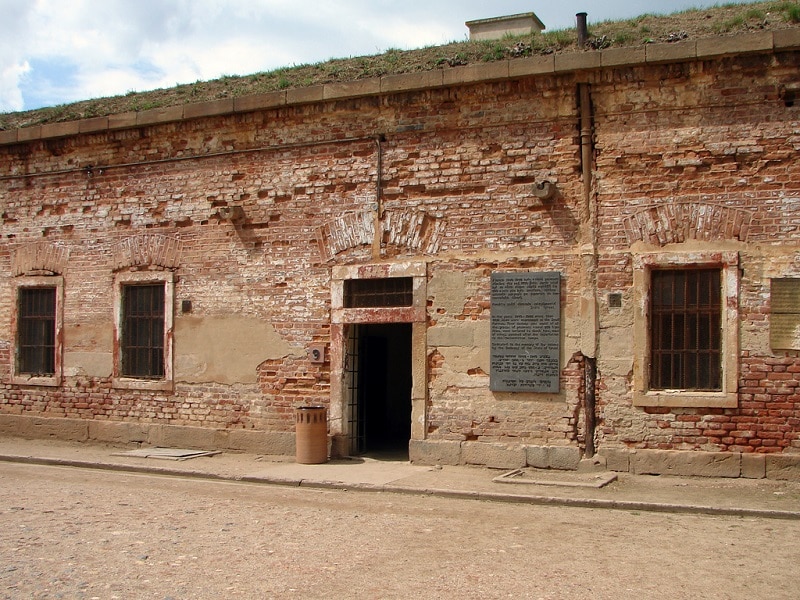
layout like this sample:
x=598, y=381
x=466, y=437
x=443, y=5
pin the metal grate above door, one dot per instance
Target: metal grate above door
x=378, y=293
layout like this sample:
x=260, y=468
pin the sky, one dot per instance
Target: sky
x=60, y=51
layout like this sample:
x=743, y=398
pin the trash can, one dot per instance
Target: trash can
x=311, y=435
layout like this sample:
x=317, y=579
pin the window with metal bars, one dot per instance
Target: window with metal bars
x=36, y=331
x=378, y=293
x=142, y=339
x=686, y=329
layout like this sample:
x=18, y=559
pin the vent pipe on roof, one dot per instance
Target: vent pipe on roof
x=583, y=30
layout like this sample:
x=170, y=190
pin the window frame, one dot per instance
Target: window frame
x=686, y=329
x=727, y=396
x=164, y=383
x=39, y=281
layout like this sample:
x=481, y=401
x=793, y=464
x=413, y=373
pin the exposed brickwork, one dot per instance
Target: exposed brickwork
x=715, y=164
x=679, y=222
x=156, y=250
x=41, y=256
x=291, y=383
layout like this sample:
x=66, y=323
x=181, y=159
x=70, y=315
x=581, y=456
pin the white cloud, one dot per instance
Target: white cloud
x=10, y=92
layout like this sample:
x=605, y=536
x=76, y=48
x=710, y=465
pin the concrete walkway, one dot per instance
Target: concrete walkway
x=622, y=491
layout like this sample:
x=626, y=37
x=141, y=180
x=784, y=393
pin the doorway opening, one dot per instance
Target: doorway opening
x=379, y=381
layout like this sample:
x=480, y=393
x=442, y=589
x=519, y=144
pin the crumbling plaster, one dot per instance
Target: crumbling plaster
x=88, y=349
x=225, y=350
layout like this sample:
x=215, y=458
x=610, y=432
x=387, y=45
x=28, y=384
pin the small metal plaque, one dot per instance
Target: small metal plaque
x=525, y=332
x=784, y=325
x=785, y=296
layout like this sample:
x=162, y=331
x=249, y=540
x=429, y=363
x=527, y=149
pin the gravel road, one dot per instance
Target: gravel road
x=85, y=534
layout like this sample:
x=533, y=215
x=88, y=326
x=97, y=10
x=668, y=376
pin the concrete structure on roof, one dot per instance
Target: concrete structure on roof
x=499, y=27
x=535, y=262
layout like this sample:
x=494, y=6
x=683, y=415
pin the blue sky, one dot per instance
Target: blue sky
x=60, y=51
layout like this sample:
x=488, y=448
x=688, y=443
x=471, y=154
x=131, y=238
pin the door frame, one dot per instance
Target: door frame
x=341, y=318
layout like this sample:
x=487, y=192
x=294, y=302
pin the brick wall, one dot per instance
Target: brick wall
x=701, y=156
x=688, y=157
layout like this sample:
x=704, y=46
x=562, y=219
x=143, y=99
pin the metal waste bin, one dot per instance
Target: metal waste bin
x=311, y=435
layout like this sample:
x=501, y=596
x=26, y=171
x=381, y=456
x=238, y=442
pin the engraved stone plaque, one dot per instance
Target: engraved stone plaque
x=525, y=332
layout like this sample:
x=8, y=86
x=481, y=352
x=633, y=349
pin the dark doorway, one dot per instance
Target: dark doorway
x=379, y=365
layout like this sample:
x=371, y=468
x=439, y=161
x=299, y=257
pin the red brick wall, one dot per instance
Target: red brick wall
x=458, y=169
x=716, y=137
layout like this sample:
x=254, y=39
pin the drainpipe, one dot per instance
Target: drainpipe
x=588, y=255
x=588, y=270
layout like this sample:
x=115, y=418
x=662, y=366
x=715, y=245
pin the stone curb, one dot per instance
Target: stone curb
x=628, y=505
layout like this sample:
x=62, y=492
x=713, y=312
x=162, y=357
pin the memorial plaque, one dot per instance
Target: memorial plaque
x=525, y=332
x=785, y=295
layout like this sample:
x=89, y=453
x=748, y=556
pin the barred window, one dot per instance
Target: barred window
x=378, y=293
x=686, y=330
x=36, y=331
x=142, y=340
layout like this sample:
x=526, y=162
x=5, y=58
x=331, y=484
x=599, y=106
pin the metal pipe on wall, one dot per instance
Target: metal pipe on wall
x=589, y=268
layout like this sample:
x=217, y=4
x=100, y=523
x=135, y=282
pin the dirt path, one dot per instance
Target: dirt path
x=73, y=533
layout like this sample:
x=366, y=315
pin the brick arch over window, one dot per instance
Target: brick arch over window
x=347, y=231
x=39, y=256
x=676, y=222
x=413, y=230
x=149, y=249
